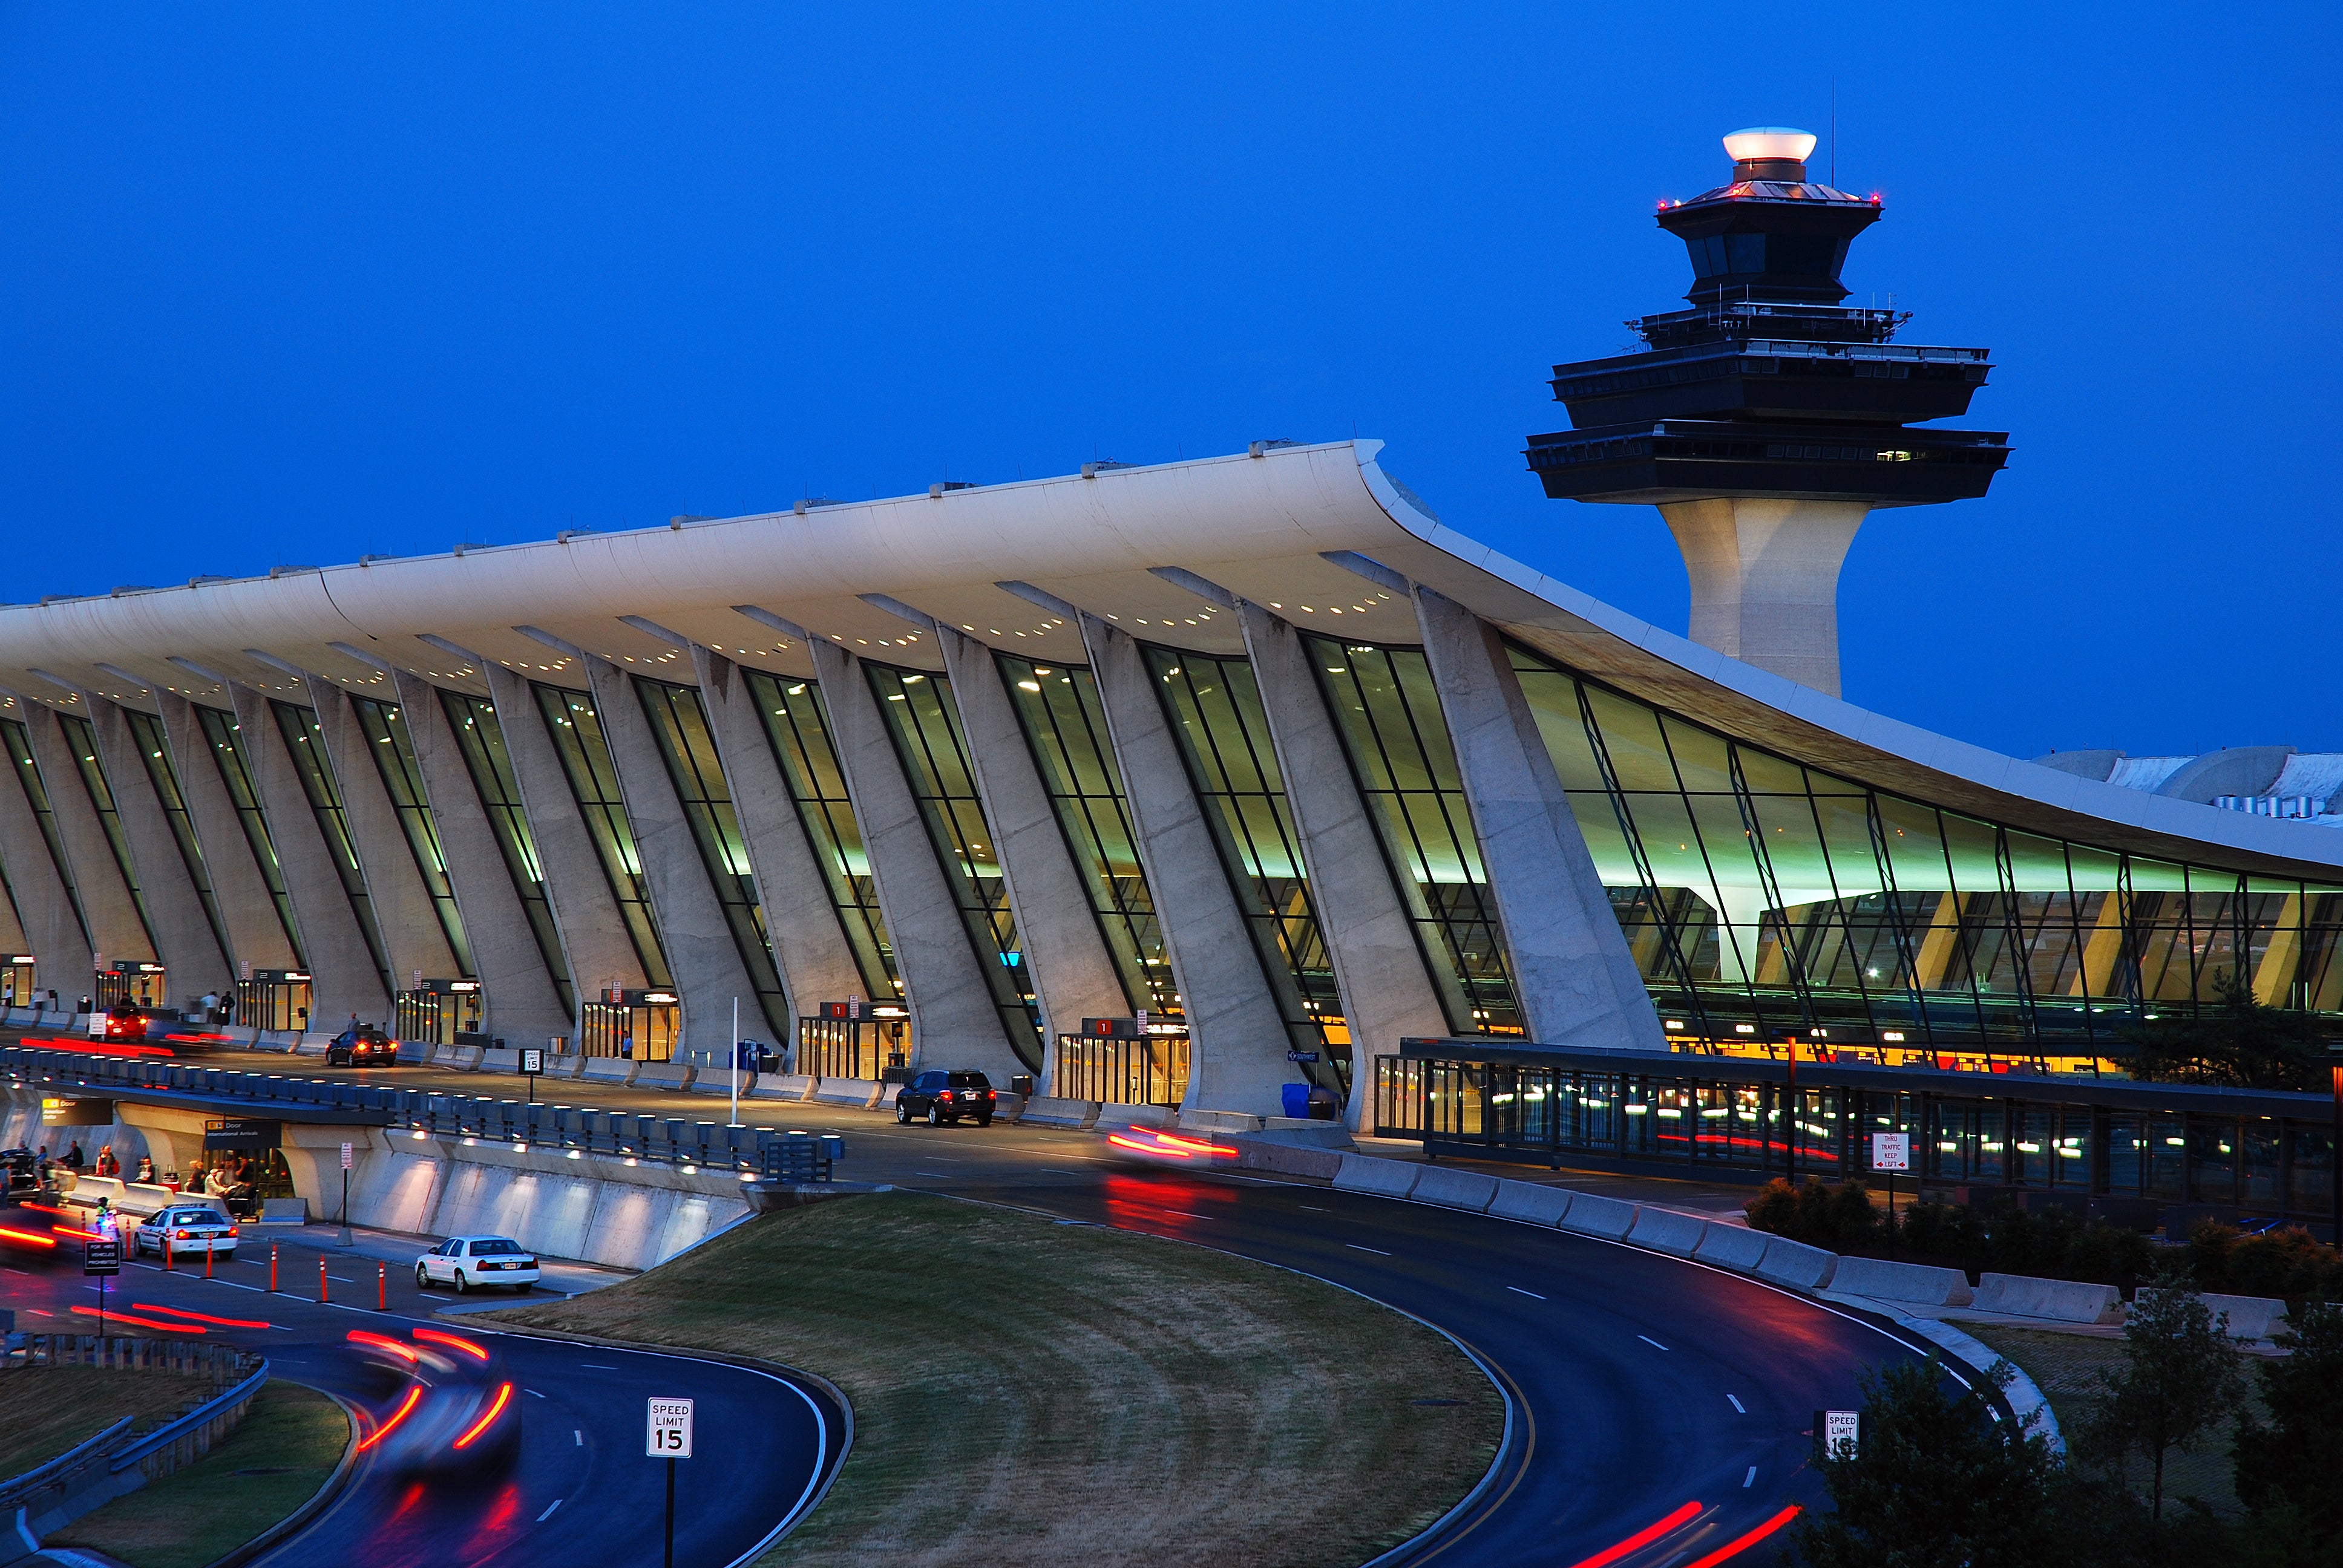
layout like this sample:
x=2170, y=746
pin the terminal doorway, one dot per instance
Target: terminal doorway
x=17, y=982
x=441, y=1012
x=277, y=1000
x=140, y=985
x=845, y=1039
x=1124, y=1062
x=638, y=1025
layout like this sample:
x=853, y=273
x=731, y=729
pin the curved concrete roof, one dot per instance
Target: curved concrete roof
x=1314, y=531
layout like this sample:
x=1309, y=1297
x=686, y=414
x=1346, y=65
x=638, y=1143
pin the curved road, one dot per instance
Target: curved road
x=579, y=1490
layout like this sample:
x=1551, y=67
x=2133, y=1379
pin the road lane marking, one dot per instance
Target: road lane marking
x=1184, y=1213
x=1314, y=1209
x=1736, y=1405
x=1651, y=1341
x=1378, y=1251
x=596, y=1366
x=548, y=1510
x=1749, y=1479
x=579, y=1434
x=1518, y=1291
x=939, y=1175
x=532, y=1393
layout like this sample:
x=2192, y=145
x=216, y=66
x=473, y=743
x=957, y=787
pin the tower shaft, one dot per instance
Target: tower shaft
x=1765, y=580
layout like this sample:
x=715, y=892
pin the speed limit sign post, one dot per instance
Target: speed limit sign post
x=666, y=1434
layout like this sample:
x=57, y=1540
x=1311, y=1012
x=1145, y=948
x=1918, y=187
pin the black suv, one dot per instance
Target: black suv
x=942, y=1097
x=365, y=1046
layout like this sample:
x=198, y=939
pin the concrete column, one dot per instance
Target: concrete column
x=954, y=1019
x=816, y=963
x=190, y=951
x=12, y=928
x=1387, y=993
x=698, y=939
x=238, y=886
x=522, y=1002
x=53, y=928
x=1237, y=1038
x=1765, y=580
x=343, y=978
x=116, y=929
x=1575, y=980
x=1073, y=974
x=412, y=938
x=594, y=939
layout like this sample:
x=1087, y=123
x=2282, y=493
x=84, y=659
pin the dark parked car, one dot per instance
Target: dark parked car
x=365, y=1046
x=942, y=1097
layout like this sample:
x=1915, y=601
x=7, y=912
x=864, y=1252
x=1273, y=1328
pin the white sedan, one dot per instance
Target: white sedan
x=184, y=1229
x=465, y=1261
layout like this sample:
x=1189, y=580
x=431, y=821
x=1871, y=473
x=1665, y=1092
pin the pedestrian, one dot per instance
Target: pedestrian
x=73, y=1160
x=145, y=1169
x=107, y=1165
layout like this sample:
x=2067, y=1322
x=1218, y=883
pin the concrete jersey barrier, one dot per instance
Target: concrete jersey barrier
x=1531, y=1202
x=1734, y=1247
x=1605, y=1217
x=2065, y=1301
x=1387, y=1178
x=2250, y=1317
x=1454, y=1189
x=1915, y=1282
x=1665, y=1230
x=1795, y=1264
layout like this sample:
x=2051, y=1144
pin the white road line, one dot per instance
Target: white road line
x=1736, y=1405
x=548, y=1510
x=596, y=1366
x=532, y=1393
x=1378, y=1251
x=1314, y=1209
x=1651, y=1341
x=939, y=1175
x=579, y=1435
x=1186, y=1214
x=1518, y=1291
x=1749, y=1479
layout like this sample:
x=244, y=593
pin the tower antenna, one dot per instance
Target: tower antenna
x=1834, y=129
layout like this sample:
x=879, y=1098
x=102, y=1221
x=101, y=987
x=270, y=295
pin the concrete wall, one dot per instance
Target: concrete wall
x=522, y=1002
x=53, y=928
x=1387, y=993
x=184, y=939
x=1073, y=974
x=343, y=977
x=238, y=886
x=594, y=939
x=1237, y=1038
x=816, y=963
x=954, y=1020
x=1574, y=977
x=700, y=951
x=115, y=930
x=1765, y=580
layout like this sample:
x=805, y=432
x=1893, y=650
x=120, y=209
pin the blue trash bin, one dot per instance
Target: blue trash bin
x=1297, y=1099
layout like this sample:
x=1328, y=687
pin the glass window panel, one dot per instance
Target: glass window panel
x=1704, y=761
x=575, y=729
x=81, y=742
x=1767, y=774
x=393, y=751
x=225, y=739
x=1632, y=739
x=306, y=744
x=153, y=750
x=480, y=736
x=36, y=796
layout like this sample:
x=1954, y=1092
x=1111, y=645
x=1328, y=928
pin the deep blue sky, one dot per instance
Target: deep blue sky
x=291, y=283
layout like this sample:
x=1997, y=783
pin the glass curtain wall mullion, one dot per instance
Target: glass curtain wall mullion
x=307, y=743
x=799, y=732
x=393, y=748
x=925, y=726
x=1666, y=922
x=1897, y=913
x=82, y=741
x=1214, y=708
x=1395, y=738
x=680, y=723
x=575, y=729
x=154, y=749
x=226, y=741
x=37, y=794
x=1064, y=723
x=480, y=736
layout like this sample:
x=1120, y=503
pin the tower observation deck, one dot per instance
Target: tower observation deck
x=1768, y=419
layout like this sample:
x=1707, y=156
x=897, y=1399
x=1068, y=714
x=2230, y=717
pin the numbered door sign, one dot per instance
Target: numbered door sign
x=668, y=1433
x=1891, y=1151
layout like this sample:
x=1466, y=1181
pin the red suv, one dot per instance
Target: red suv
x=126, y=1022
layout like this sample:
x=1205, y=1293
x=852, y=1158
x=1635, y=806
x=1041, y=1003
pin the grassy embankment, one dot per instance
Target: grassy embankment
x=1032, y=1392
x=271, y=1464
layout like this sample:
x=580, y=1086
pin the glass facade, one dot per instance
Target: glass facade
x=306, y=745
x=585, y=752
x=1214, y=707
x=1396, y=737
x=82, y=741
x=926, y=727
x=1064, y=723
x=1770, y=901
x=37, y=794
x=147, y=734
x=392, y=750
x=226, y=741
x=681, y=725
x=799, y=733
x=481, y=738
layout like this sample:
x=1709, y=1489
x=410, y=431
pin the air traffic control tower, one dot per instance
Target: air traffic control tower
x=1769, y=419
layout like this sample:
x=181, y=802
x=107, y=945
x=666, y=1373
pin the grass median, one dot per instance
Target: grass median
x=46, y=1410
x=1027, y=1391
x=271, y=1464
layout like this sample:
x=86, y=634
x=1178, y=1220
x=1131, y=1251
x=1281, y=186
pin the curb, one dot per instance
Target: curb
x=300, y=1518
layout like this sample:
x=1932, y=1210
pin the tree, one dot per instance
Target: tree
x=1938, y=1482
x=2180, y=1384
x=2296, y=1461
x=2235, y=1041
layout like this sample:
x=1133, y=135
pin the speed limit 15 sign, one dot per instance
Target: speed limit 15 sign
x=668, y=1433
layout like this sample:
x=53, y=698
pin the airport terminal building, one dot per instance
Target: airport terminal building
x=1177, y=783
